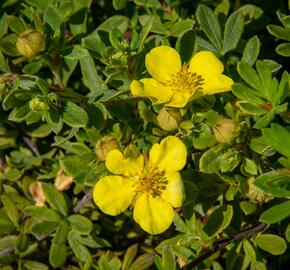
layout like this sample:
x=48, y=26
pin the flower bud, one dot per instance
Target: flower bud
x=62, y=181
x=226, y=130
x=37, y=194
x=169, y=119
x=37, y=105
x=30, y=43
x=105, y=145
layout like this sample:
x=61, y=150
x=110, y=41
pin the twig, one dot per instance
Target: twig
x=32, y=146
x=84, y=201
x=123, y=101
x=220, y=245
x=6, y=251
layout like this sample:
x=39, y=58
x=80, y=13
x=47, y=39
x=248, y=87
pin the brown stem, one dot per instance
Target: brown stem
x=123, y=101
x=220, y=245
x=32, y=146
x=84, y=201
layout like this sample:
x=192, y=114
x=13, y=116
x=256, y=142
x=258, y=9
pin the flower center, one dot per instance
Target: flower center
x=185, y=81
x=152, y=181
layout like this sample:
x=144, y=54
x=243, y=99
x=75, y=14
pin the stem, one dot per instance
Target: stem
x=84, y=201
x=220, y=245
x=32, y=146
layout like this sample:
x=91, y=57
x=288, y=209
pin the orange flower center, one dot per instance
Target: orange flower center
x=185, y=81
x=152, y=181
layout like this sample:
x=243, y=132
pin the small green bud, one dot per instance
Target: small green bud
x=169, y=119
x=37, y=105
x=106, y=145
x=226, y=130
x=30, y=43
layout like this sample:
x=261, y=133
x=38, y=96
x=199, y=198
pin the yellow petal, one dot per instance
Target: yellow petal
x=154, y=215
x=162, y=62
x=220, y=84
x=169, y=155
x=136, y=88
x=206, y=64
x=174, y=192
x=178, y=100
x=113, y=194
x=156, y=91
x=118, y=164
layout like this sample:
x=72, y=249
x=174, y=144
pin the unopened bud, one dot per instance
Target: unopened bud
x=226, y=130
x=169, y=119
x=37, y=194
x=36, y=104
x=30, y=43
x=62, y=181
x=105, y=145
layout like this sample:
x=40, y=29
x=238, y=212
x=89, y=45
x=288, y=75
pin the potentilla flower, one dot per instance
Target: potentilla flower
x=152, y=185
x=175, y=84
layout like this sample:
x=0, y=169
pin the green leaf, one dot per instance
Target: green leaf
x=279, y=138
x=11, y=209
x=41, y=4
x=276, y=213
x=249, y=250
x=186, y=44
x=81, y=252
x=34, y=265
x=274, y=183
x=91, y=78
x=287, y=233
x=271, y=243
x=44, y=228
x=143, y=262
x=233, y=31
x=279, y=32
x=54, y=120
x=251, y=50
x=219, y=159
x=120, y=22
x=74, y=115
x=80, y=224
x=52, y=17
x=248, y=207
x=16, y=25
x=119, y=4
x=247, y=94
x=283, y=90
x=3, y=25
x=179, y=27
x=58, y=250
x=78, y=19
x=265, y=120
x=283, y=49
x=249, y=75
x=210, y=25
x=218, y=220
x=55, y=198
x=42, y=213
x=168, y=258
x=129, y=256
x=266, y=78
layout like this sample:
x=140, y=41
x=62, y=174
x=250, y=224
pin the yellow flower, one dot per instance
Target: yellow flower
x=174, y=84
x=152, y=185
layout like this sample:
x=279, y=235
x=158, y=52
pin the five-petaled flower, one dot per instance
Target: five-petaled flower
x=174, y=84
x=153, y=186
